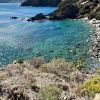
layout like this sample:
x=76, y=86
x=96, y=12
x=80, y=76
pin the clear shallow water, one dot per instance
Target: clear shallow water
x=47, y=39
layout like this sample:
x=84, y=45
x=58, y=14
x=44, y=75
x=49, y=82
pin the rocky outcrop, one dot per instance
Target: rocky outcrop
x=66, y=11
x=41, y=3
x=40, y=16
x=77, y=9
x=89, y=9
x=71, y=9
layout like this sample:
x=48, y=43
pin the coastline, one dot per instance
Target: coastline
x=95, y=48
x=58, y=79
x=33, y=78
x=95, y=41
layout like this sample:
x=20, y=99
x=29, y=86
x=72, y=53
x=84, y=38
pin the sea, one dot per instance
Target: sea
x=20, y=39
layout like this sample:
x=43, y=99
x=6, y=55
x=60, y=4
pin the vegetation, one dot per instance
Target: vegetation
x=79, y=64
x=91, y=86
x=56, y=66
x=50, y=92
x=56, y=80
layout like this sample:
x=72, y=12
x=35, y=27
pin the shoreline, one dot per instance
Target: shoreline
x=95, y=48
x=95, y=41
x=34, y=78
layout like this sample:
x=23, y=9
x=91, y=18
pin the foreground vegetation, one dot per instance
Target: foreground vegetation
x=57, y=80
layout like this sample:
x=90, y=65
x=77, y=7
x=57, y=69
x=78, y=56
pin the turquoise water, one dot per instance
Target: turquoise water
x=47, y=39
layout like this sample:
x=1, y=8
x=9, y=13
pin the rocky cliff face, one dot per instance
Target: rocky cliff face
x=41, y=3
x=77, y=9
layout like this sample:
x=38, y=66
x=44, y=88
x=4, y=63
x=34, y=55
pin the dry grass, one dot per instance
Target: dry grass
x=50, y=92
x=56, y=66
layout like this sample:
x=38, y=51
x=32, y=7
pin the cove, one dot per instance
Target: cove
x=69, y=39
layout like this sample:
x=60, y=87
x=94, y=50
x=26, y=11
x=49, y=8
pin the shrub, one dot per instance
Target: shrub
x=50, y=92
x=79, y=64
x=56, y=66
x=92, y=86
x=36, y=62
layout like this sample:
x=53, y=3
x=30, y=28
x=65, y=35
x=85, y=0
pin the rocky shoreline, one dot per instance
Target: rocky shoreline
x=58, y=79
x=95, y=48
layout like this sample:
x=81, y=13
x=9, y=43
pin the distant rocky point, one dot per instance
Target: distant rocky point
x=77, y=9
x=11, y=1
x=72, y=9
x=40, y=3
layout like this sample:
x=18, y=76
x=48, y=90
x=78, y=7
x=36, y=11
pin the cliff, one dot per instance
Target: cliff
x=77, y=9
x=40, y=3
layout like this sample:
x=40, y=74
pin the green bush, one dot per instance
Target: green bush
x=92, y=86
x=50, y=92
x=56, y=66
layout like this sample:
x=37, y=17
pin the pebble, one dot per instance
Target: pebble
x=95, y=38
x=97, y=96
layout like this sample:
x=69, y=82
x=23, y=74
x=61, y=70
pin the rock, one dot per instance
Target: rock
x=77, y=9
x=97, y=96
x=20, y=61
x=16, y=94
x=95, y=13
x=35, y=89
x=40, y=3
x=39, y=16
x=1, y=92
x=84, y=9
x=64, y=11
x=13, y=17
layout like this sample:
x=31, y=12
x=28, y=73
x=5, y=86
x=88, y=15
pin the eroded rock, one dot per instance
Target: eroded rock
x=39, y=16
